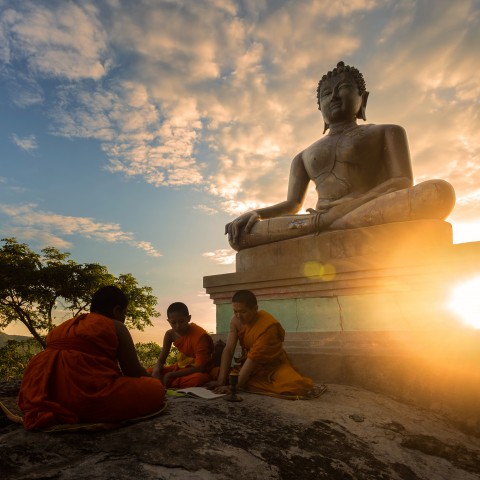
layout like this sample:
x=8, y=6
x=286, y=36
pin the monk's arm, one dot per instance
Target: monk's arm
x=227, y=353
x=126, y=353
x=245, y=372
x=297, y=190
x=167, y=344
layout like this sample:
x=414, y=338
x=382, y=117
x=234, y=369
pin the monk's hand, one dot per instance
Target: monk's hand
x=222, y=389
x=212, y=384
x=245, y=222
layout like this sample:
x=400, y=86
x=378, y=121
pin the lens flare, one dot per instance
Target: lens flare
x=465, y=302
x=317, y=270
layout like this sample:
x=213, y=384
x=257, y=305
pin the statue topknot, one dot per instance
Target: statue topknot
x=341, y=67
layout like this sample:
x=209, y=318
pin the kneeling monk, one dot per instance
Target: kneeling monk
x=195, y=347
x=265, y=364
x=89, y=371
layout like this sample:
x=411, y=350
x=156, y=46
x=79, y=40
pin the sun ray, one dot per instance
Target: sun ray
x=465, y=302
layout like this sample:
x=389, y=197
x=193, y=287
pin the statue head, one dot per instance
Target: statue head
x=359, y=81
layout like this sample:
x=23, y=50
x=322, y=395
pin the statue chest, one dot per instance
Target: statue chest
x=341, y=164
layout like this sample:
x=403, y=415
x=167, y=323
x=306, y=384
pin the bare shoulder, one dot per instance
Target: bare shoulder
x=122, y=332
x=386, y=128
x=314, y=146
x=235, y=324
x=120, y=328
x=169, y=336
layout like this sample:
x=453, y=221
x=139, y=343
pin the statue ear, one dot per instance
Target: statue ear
x=326, y=126
x=361, y=112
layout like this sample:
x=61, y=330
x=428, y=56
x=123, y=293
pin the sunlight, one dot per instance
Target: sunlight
x=466, y=232
x=465, y=302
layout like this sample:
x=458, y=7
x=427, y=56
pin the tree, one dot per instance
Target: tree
x=14, y=357
x=148, y=354
x=33, y=287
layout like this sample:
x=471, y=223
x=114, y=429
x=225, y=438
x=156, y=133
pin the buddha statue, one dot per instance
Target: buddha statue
x=362, y=173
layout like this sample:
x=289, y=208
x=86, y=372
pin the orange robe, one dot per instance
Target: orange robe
x=262, y=342
x=77, y=379
x=196, y=348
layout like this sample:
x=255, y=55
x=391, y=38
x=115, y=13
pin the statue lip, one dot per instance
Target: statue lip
x=335, y=105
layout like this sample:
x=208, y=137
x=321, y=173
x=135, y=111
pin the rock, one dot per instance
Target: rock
x=260, y=438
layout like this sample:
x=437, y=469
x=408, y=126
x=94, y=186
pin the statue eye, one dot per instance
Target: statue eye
x=325, y=92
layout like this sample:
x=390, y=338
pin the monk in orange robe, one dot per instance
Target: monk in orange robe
x=265, y=364
x=195, y=347
x=89, y=371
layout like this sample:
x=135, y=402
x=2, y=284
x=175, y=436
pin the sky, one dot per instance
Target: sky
x=132, y=132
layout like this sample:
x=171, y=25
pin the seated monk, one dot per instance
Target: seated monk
x=362, y=173
x=89, y=371
x=265, y=366
x=195, y=347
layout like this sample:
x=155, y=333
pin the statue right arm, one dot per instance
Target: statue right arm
x=297, y=189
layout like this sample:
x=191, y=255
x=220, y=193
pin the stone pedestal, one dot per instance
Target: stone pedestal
x=369, y=306
x=387, y=277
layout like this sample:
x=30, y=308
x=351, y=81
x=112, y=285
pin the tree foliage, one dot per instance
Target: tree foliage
x=14, y=357
x=148, y=354
x=34, y=287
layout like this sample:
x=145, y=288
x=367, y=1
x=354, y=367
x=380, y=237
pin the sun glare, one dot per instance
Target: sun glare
x=465, y=302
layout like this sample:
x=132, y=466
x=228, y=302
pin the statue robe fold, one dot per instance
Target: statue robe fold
x=196, y=348
x=262, y=342
x=77, y=379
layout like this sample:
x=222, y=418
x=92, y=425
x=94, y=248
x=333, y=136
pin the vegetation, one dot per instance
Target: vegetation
x=15, y=355
x=148, y=354
x=34, y=287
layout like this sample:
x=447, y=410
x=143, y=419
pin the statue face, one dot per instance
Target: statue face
x=339, y=99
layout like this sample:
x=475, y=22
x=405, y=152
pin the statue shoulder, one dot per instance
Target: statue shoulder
x=385, y=128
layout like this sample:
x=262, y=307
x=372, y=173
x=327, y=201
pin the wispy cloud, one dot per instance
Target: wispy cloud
x=28, y=143
x=67, y=41
x=223, y=256
x=33, y=221
x=205, y=209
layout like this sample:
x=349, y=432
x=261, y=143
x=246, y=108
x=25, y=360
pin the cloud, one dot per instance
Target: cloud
x=205, y=209
x=221, y=96
x=66, y=41
x=224, y=256
x=49, y=225
x=28, y=143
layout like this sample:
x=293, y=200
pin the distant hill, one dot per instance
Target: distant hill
x=4, y=338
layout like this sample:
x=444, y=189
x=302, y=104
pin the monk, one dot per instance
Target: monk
x=362, y=173
x=89, y=371
x=195, y=347
x=265, y=366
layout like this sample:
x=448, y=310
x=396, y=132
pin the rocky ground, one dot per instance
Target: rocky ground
x=348, y=433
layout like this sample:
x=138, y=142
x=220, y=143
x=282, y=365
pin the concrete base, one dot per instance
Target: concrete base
x=370, y=307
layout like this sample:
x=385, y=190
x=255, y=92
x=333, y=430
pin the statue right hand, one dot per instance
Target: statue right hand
x=245, y=222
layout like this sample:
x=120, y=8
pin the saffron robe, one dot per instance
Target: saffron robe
x=196, y=348
x=262, y=342
x=77, y=379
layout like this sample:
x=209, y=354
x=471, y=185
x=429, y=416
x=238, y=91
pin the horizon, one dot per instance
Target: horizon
x=132, y=133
